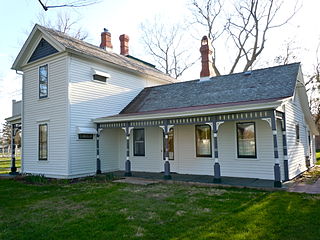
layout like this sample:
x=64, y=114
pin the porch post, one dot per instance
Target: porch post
x=217, y=173
x=166, y=153
x=128, y=172
x=13, y=150
x=285, y=150
x=277, y=173
x=98, y=150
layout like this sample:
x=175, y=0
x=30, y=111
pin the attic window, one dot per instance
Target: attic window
x=99, y=75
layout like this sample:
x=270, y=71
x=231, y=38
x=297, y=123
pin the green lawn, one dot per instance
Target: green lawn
x=5, y=164
x=104, y=210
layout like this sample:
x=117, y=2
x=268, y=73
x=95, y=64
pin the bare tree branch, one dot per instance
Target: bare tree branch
x=166, y=45
x=65, y=24
x=72, y=4
x=247, y=26
x=206, y=14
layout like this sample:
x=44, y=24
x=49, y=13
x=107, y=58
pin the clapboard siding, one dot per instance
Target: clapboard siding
x=91, y=99
x=296, y=150
x=153, y=160
x=52, y=111
x=262, y=167
x=109, y=149
x=185, y=153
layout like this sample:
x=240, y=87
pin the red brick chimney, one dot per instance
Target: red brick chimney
x=106, y=39
x=124, y=44
x=206, y=59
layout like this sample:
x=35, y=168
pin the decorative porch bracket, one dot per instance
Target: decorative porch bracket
x=217, y=172
x=277, y=172
x=98, y=150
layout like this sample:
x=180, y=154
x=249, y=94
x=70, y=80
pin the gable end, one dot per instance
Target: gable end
x=42, y=50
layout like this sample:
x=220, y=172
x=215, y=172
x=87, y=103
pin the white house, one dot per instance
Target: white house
x=87, y=109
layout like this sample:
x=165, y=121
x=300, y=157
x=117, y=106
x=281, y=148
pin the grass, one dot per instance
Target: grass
x=318, y=156
x=5, y=164
x=100, y=209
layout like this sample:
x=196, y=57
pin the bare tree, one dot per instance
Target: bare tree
x=206, y=14
x=313, y=89
x=167, y=46
x=73, y=4
x=289, y=55
x=65, y=24
x=247, y=27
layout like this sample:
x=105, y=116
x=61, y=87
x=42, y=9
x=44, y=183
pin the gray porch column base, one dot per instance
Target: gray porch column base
x=128, y=172
x=217, y=173
x=14, y=172
x=277, y=176
x=98, y=167
x=286, y=170
x=167, y=170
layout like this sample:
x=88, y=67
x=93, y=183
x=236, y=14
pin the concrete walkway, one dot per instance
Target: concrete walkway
x=306, y=188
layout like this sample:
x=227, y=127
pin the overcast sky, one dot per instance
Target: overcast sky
x=17, y=18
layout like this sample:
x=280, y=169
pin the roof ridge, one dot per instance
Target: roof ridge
x=138, y=64
x=259, y=69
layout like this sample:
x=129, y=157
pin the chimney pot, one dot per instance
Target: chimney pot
x=206, y=59
x=106, y=39
x=124, y=44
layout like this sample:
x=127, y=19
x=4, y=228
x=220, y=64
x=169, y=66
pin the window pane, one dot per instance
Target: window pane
x=138, y=142
x=203, y=141
x=246, y=140
x=85, y=136
x=43, y=81
x=43, y=142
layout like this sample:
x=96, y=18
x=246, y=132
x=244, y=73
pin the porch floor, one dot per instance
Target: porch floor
x=231, y=181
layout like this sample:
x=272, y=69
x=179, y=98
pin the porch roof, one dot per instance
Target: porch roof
x=262, y=84
x=213, y=109
x=258, y=89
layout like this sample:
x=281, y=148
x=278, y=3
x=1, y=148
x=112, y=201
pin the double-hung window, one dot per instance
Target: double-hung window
x=203, y=141
x=138, y=142
x=246, y=140
x=43, y=81
x=43, y=142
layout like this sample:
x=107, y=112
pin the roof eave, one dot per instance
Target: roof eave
x=219, y=110
x=167, y=79
x=14, y=119
x=20, y=59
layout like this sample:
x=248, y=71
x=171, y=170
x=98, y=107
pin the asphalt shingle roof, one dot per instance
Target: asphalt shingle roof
x=108, y=56
x=260, y=85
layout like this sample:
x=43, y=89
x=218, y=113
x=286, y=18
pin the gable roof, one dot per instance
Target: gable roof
x=67, y=43
x=261, y=85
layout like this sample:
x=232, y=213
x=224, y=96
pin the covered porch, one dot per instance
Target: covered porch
x=244, y=144
x=15, y=122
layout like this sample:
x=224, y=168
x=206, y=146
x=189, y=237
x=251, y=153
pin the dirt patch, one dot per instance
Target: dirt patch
x=310, y=176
